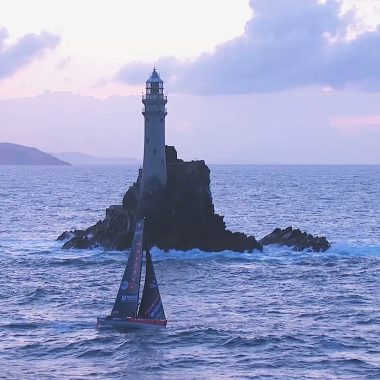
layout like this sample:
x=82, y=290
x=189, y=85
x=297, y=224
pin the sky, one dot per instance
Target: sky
x=260, y=81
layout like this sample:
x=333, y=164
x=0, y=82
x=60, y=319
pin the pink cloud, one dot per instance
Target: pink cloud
x=356, y=123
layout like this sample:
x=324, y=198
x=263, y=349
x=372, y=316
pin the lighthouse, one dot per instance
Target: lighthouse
x=154, y=174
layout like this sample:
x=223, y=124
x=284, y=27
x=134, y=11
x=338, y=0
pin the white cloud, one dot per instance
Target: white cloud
x=287, y=44
x=25, y=50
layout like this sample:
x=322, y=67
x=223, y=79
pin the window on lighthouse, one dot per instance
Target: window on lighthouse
x=154, y=89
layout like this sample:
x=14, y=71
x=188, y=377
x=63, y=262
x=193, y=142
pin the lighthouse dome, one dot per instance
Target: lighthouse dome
x=154, y=78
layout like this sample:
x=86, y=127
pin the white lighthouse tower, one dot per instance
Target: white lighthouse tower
x=154, y=174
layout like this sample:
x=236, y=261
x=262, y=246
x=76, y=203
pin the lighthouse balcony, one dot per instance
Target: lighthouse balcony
x=154, y=97
x=155, y=109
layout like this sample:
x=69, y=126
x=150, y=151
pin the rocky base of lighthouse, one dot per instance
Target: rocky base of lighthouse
x=181, y=217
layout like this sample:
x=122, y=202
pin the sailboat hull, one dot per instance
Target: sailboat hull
x=129, y=323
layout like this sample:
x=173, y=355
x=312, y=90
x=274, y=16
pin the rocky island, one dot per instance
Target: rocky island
x=183, y=218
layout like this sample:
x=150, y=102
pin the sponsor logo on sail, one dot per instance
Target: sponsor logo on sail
x=127, y=298
x=124, y=285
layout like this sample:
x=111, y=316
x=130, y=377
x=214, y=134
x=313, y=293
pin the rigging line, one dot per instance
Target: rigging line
x=142, y=259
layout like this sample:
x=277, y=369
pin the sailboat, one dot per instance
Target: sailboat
x=127, y=311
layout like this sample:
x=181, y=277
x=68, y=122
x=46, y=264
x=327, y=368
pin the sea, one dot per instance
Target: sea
x=276, y=314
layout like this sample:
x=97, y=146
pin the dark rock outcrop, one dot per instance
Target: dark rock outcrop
x=180, y=217
x=296, y=239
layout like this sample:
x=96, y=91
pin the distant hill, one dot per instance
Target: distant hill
x=13, y=154
x=75, y=158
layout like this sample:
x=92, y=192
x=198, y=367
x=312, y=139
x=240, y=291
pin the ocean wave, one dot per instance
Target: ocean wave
x=272, y=254
x=344, y=248
x=20, y=325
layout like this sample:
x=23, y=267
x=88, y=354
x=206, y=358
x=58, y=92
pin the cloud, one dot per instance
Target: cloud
x=23, y=51
x=63, y=63
x=137, y=72
x=356, y=123
x=287, y=44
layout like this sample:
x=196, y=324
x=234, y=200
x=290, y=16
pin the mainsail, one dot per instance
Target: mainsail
x=128, y=296
x=151, y=305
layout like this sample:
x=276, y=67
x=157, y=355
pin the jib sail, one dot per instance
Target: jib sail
x=128, y=295
x=151, y=305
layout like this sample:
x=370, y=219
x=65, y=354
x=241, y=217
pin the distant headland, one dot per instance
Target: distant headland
x=14, y=154
x=75, y=158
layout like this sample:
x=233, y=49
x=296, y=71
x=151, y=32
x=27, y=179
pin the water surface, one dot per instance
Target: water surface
x=276, y=314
